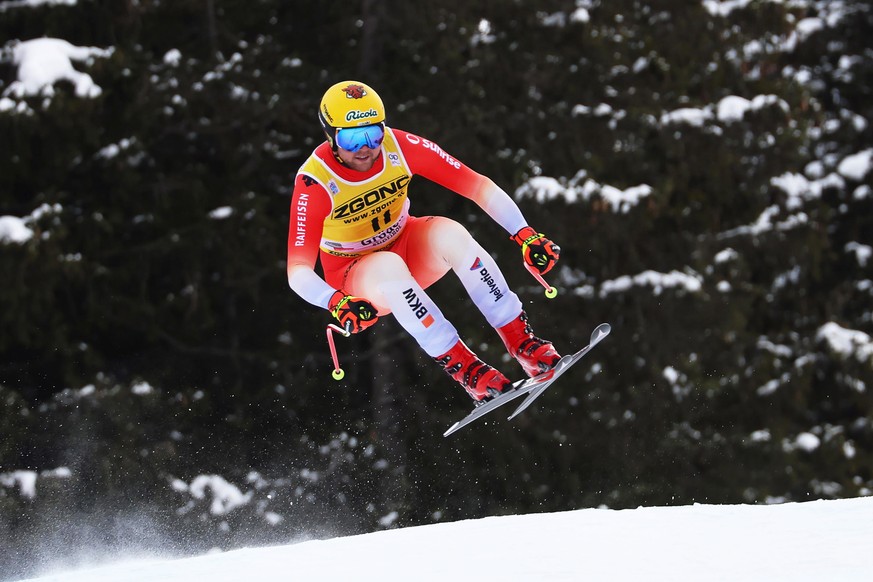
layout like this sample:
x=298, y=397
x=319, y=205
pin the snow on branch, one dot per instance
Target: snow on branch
x=690, y=283
x=12, y=4
x=26, y=480
x=846, y=342
x=42, y=62
x=542, y=189
x=15, y=230
x=225, y=496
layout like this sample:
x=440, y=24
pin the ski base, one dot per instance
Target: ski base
x=532, y=387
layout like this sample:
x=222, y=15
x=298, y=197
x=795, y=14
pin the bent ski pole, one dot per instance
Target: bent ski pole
x=337, y=373
x=551, y=292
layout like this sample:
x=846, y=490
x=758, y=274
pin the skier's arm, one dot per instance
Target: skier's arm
x=310, y=205
x=427, y=159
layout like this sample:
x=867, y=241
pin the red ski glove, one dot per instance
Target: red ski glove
x=538, y=251
x=353, y=313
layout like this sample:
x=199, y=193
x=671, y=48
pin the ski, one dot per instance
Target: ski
x=532, y=387
x=517, y=389
x=600, y=332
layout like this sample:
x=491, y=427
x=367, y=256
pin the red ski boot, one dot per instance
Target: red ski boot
x=480, y=380
x=534, y=354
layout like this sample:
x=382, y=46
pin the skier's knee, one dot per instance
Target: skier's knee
x=448, y=229
x=451, y=238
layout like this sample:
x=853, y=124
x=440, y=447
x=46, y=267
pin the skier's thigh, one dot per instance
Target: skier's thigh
x=367, y=274
x=436, y=244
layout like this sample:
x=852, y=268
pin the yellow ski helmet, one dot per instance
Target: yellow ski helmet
x=349, y=104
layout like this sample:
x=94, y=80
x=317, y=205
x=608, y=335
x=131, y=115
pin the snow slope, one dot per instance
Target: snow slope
x=816, y=541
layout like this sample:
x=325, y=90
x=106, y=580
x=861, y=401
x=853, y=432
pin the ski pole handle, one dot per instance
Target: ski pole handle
x=337, y=373
x=551, y=292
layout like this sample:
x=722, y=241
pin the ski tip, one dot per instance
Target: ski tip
x=452, y=429
x=601, y=330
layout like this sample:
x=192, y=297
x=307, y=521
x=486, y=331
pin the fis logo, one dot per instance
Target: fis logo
x=418, y=308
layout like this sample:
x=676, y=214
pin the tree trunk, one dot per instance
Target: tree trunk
x=211, y=28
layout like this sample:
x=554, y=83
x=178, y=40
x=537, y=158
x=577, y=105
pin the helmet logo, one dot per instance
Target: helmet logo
x=354, y=115
x=327, y=114
x=354, y=91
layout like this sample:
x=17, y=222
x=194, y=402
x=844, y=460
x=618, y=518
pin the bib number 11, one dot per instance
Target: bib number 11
x=386, y=219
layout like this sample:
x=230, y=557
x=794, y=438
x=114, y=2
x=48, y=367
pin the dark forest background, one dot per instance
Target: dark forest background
x=147, y=341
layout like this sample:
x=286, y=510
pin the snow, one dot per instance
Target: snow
x=812, y=541
x=728, y=110
x=543, y=188
x=13, y=230
x=671, y=374
x=580, y=15
x=718, y=8
x=689, y=115
x=35, y=3
x=862, y=252
x=225, y=496
x=624, y=200
x=807, y=26
x=26, y=481
x=847, y=342
x=114, y=150
x=173, y=57
x=856, y=166
x=733, y=108
x=807, y=441
x=221, y=213
x=657, y=281
x=725, y=256
x=42, y=62
x=142, y=388
x=800, y=189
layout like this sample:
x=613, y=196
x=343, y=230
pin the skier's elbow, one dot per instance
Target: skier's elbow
x=294, y=268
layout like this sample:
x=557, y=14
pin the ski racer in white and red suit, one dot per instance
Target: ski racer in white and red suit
x=350, y=210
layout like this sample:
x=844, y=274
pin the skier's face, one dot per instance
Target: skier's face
x=361, y=160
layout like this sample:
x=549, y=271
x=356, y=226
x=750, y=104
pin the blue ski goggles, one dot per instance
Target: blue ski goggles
x=354, y=138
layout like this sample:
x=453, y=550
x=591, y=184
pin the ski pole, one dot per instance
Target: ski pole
x=551, y=292
x=337, y=373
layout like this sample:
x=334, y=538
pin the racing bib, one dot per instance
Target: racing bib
x=366, y=215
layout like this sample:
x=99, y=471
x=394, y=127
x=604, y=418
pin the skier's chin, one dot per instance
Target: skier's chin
x=361, y=164
x=361, y=160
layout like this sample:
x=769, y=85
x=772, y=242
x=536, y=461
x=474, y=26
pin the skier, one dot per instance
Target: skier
x=350, y=209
